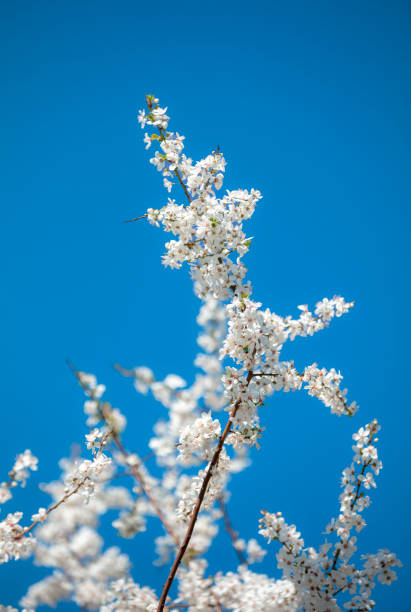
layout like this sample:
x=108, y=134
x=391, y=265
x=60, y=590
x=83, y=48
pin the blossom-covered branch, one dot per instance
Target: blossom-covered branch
x=209, y=231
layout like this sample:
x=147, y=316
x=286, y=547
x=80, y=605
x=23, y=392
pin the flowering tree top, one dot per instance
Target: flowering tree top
x=210, y=427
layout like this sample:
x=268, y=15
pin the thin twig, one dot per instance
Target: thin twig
x=178, y=175
x=123, y=371
x=51, y=508
x=229, y=528
x=136, y=219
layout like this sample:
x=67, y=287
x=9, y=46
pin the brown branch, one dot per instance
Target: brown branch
x=231, y=532
x=206, y=480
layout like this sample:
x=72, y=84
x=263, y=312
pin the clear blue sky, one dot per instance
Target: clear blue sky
x=309, y=101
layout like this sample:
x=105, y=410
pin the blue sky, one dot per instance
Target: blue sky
x=309, y=101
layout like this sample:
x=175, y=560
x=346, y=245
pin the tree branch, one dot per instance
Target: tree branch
x=193, y=520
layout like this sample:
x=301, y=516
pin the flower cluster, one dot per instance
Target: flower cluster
x=199, y=439
x=13, y=543
x=326, y=386
x=96, y=409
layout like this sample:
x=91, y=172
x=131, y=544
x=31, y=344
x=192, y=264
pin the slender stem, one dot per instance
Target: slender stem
x=193, y=520
x=180, y=180
x=124, y=371
x=136, y=218
x=51, y=508
x=229, y=528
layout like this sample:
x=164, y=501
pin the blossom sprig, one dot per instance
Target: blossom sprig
x=326, y=386
x=320, y=577
x=353, y=499
x=325, y=310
